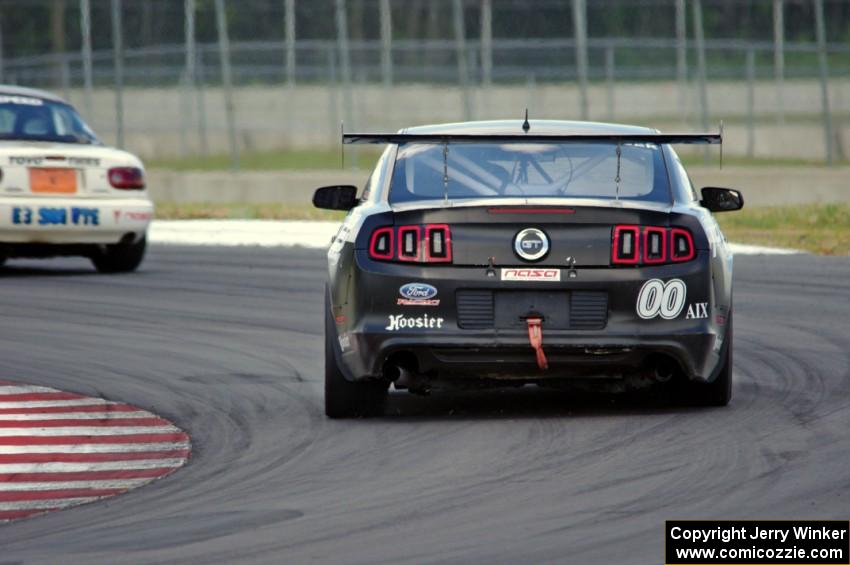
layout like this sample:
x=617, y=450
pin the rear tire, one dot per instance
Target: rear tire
x=344, y=398
x=120, y=258
x=719, y=391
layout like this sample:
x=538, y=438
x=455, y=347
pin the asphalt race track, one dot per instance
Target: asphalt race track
x=226, y=343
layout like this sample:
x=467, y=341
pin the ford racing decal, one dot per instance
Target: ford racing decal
x=418, y=294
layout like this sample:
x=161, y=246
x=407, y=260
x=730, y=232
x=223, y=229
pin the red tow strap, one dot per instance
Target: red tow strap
x=535, y=337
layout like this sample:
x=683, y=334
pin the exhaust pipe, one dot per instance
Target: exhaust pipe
x=664, y=371
x=392, y=372
x=399, y=376
x=403, y=379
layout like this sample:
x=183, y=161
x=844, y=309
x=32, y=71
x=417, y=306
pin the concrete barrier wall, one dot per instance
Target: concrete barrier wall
x=162, y=123
x=762, y=186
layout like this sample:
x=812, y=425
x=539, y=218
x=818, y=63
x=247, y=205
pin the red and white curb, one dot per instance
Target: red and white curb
x=61, y=449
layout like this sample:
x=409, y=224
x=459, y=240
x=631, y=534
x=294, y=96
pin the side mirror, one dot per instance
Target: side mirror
x=721, y=199
x=343, y=197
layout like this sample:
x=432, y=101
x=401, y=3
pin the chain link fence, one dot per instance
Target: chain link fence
x=170, y=78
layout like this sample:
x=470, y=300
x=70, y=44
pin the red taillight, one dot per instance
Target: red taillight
x=654, y=245
x=429, y=243
x=438, y=243
x=651, y=245
x=626, y=248
x=681, y=245
x=408, y=243
x=127, y=178
x=381, y=244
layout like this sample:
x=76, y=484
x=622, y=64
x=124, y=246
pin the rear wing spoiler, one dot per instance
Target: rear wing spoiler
x=444, y=138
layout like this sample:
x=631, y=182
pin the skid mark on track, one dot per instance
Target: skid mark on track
x=60, y=449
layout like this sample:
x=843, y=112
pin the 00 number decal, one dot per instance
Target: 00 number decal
x=657, y=297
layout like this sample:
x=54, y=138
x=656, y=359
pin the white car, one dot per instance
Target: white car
x=62, y=192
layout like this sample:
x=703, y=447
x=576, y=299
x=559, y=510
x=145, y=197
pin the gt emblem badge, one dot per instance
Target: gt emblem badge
x=531, y=244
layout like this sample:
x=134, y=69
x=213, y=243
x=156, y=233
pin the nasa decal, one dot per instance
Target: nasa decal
x=657, y=297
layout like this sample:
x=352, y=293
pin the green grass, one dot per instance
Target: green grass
x=326, y=159
x=818, y=228
x=691, y=160
x=241, y=211
x=284, y=159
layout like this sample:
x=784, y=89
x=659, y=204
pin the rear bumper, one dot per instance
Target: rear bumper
x=365, y=304
x=71, y=221
x=511, y=356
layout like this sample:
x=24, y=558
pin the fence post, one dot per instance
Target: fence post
x=460, y=49
x=751, y=102
x=699, y=37
x=530, y=90
x=290, y=106
x=609, y=82
x=486, y=54
x=201, y=103
x=2, y=66
x=486, y=43
x=65, y=75
x=386, y=44
x=118, y=62
x=345, y=68
x=86, y=56
x=345, y=61
x=227, y=83
x=823, y=68
x=289, y=16
x=779, y=56
x=682, y=57
x=580, y=31
x=333, y=87
x=189, y=72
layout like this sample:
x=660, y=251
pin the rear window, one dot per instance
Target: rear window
x=511, y=170
x=26, y=118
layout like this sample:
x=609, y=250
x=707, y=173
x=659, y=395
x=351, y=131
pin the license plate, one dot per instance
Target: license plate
x=53, y=181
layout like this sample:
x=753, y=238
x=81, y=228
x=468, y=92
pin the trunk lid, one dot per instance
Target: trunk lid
x=583, y=233
x=59, y=169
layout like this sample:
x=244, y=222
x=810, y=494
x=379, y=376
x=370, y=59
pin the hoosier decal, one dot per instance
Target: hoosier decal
x=402, y=322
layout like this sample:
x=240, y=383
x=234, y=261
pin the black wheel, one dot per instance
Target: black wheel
x=344, y=398
x=120, y=258
x=719, y=391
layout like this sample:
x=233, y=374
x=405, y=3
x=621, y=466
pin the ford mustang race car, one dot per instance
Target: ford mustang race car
x=61, y=191
x=562, y=254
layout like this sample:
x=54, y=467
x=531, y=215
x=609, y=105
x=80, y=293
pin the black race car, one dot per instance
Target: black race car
x=505, y=253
